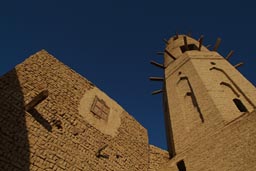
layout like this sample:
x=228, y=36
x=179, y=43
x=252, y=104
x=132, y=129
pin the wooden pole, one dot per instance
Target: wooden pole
x=217, y=44
x=157, y=64
x=229, y=54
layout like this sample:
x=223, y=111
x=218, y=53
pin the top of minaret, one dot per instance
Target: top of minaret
x=179, y=44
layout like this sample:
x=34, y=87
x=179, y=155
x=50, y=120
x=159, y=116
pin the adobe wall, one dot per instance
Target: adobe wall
x=186, y=120
x=229, y=149
x=157, y=158
x=62, y=132
x=201, y=87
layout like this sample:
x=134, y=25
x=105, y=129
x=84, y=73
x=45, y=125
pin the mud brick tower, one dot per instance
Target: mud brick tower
x=209, y=109
x=52, y=118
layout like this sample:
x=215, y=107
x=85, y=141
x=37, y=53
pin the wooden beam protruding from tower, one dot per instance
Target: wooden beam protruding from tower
x=166, y=41
x=217, y=44
x=238, y=65
x=157, y=92
x=185, y=42
x=157, y=64
x=229, y=54
x=189, y=34
x=176, y=36
x=160, y=53
x=200, y=42
x=156, y=78
x=36, y=100
x=169, y=54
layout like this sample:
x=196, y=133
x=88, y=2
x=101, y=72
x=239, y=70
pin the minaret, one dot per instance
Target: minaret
x=202, y=92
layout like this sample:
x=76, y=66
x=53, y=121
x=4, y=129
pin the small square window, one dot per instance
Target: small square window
x=100, y=109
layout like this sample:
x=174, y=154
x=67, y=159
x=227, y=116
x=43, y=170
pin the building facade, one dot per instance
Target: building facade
x=209, y=110
x=54, y=119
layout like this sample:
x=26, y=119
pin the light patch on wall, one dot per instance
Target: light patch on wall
x=101, y=111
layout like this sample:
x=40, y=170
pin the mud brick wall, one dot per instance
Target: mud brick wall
x=204, y=93
x=53, y=135
x=229, y=149
x=157, y=158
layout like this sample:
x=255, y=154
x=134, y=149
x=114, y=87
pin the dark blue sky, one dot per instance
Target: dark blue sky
x=111, y=42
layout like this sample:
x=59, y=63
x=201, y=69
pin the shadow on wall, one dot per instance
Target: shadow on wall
x=14, y=145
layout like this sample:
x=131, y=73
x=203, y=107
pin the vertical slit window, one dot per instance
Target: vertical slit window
x=240, y=106
x=181, y=165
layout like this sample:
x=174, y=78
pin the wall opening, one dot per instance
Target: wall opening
x=190, y=47
x=181, y=165
x=240, y=106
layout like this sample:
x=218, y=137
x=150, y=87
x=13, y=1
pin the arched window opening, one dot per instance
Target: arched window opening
x=240, y=106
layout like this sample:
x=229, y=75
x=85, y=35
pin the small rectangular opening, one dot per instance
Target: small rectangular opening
x=240, y=106
x=181, y=165
x=190, y=47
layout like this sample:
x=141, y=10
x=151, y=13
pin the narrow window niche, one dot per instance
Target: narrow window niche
x=181, y=165
x=240, y=106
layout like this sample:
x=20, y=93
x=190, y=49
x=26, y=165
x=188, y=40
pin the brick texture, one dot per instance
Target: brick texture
x=157, y=158
x=51, y=118
x=229, y=149
x=210, y=105
x=54, y=135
